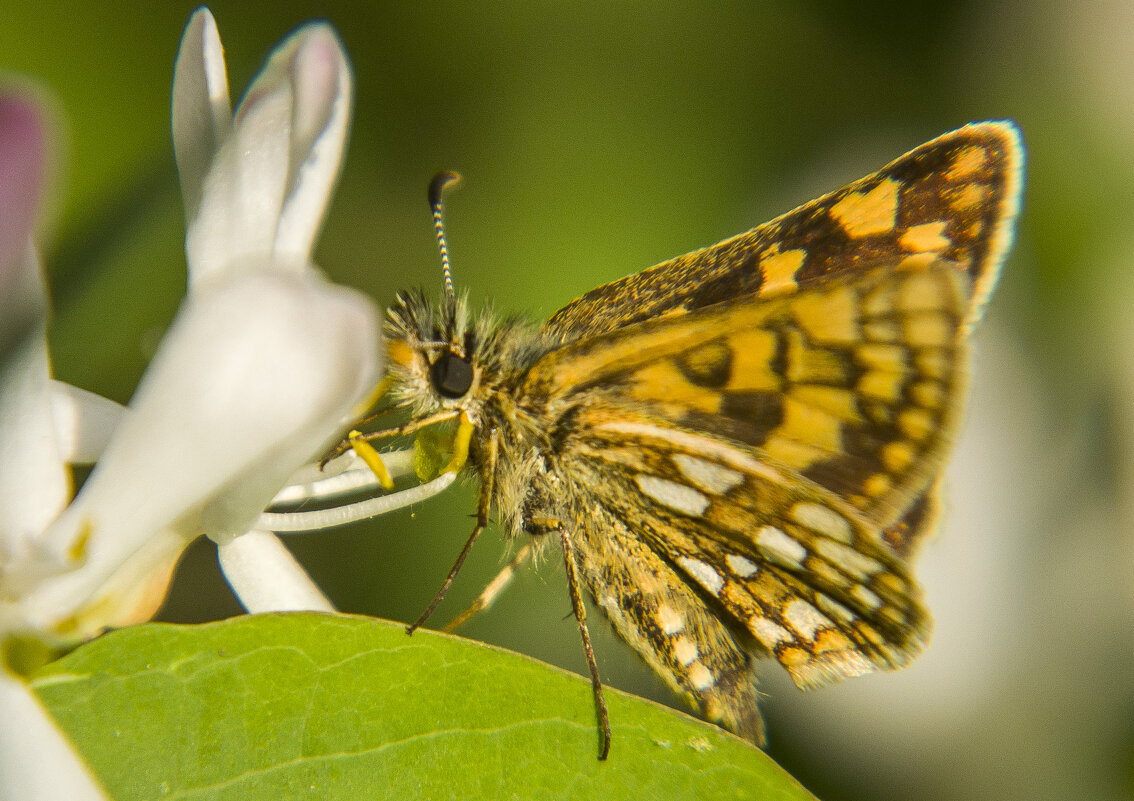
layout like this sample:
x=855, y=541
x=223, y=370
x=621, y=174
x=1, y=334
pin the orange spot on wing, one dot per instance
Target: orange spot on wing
x=779, y=271
x=967, y=162
x=663, y=382
x=926, y=237
x=865, y=213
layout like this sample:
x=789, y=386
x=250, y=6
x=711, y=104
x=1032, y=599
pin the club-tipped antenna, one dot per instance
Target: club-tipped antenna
x=441, y=182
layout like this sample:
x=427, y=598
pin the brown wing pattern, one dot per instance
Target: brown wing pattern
x=800, y=570
x=748, y=438
x=667, y=621
x=953, y=198
x=855, y=385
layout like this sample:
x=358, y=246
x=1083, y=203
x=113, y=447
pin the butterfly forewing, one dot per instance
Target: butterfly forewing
x=953, y=198
x=801, y=566
x=852, y=385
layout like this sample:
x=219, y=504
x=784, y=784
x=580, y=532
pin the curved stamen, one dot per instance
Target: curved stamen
x=284, y=522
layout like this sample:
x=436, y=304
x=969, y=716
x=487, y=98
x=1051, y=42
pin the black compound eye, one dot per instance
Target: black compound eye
x=451, y=375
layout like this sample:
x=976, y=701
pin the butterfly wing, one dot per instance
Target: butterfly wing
x=854, y=385
x=954, y=198
x=801, y=571
x=665, y=619
x=749, y=437
x=691, y=503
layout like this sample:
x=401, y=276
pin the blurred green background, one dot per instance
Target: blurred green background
x=597, y=139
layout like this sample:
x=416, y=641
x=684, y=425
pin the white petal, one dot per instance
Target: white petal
x=266, y=578
x=243, y=193
x=202, y=116
x=37, y=761
x=84, y=422
x=321, y=118
x=269, y=184
x=255, y=376
x=35, y=484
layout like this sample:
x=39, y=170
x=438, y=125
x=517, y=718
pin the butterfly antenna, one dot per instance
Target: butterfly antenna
x=437, y=187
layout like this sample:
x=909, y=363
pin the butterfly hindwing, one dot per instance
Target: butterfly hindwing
x=667, y=621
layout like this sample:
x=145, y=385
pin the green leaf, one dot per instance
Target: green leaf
x=329, y=707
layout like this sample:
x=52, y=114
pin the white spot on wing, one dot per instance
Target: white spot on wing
x=712, y=478
x=678, y=497
x=700, y=677
x=866, y=597
x=768, y=632
x=778, y=546
x=834, y=609
x=824, y=520
x=741, y=566
x=706, y=576
x=726, y=454
x=829, y=667
x=610, y=605
x=685, y=650
x=805, y=618
x=670, y=620
x=848, y=559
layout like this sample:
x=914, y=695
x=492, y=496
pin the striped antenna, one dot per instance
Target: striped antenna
x=441, y=182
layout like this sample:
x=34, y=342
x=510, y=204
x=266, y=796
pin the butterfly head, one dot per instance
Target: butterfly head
x=439, y=355
x=432, y=351
x=443, y=356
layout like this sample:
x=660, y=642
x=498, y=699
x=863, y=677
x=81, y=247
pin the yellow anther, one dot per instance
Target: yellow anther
x=460, y=445
x=369, y=454
x=78, y=549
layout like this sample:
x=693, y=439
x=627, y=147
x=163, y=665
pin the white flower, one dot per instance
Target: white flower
x=263, y=364
x=261, y=369
x=36, y=759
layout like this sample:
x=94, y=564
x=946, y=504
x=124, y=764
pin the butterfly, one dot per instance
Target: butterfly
x=737, y=450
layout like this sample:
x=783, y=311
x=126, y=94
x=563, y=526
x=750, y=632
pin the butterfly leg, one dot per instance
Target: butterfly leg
x=483, y=505
x=493, y=590
x=387, y=433
x=570, y=558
